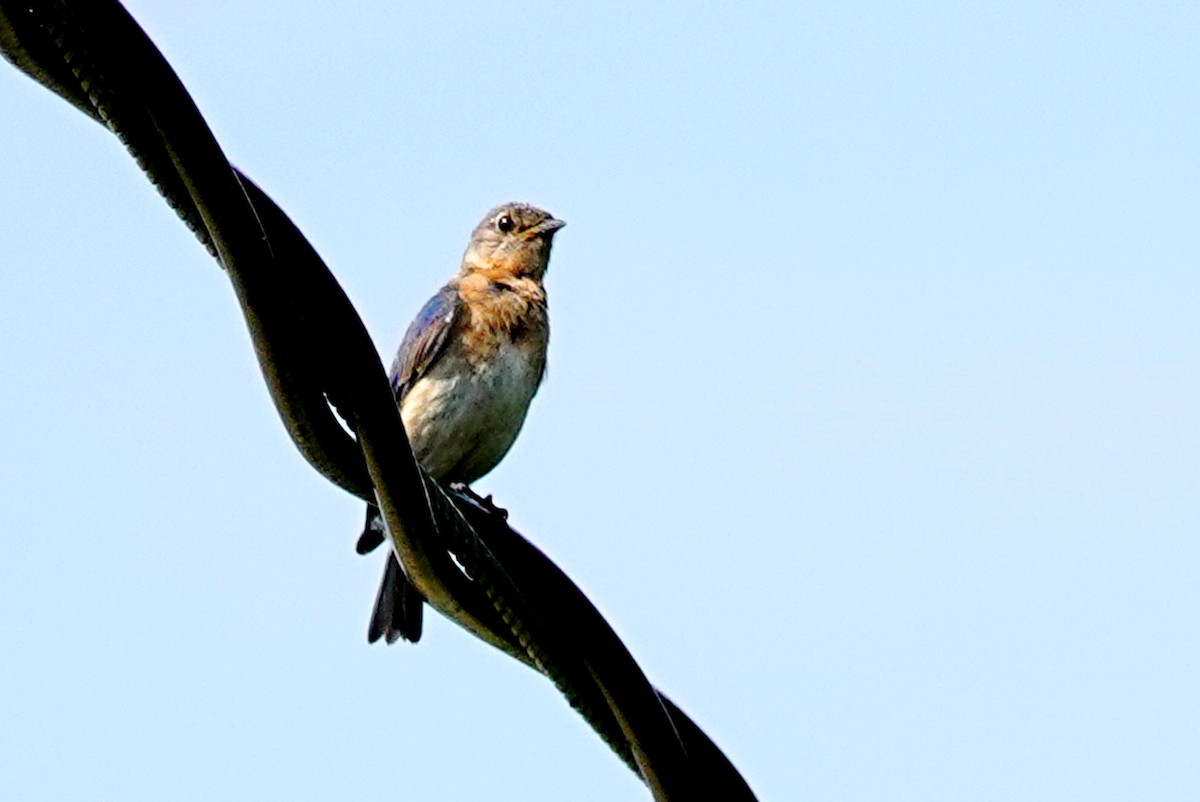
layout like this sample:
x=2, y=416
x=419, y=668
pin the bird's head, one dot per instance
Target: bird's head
x=512, y=240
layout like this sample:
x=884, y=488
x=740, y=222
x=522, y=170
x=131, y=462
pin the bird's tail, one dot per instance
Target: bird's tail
x=399, y=607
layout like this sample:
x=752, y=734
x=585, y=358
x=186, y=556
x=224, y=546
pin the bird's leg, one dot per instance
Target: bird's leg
x=463, y=489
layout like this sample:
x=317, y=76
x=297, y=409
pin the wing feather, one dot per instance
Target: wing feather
x=425, y=339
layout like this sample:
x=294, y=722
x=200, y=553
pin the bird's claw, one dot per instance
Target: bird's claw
x=485, y=502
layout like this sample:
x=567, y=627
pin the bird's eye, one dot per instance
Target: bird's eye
x=505, y=223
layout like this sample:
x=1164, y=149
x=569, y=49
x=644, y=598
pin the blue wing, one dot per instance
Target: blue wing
x=423, y=343
x=425, y=340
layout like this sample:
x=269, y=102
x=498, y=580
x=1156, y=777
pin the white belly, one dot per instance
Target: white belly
x=462, y=421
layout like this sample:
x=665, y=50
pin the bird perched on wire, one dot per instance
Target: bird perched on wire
x=465, y=373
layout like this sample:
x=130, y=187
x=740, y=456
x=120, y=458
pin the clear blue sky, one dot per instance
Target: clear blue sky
x=871, y=423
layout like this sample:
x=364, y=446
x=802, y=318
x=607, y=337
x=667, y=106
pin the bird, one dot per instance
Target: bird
x=464, y=375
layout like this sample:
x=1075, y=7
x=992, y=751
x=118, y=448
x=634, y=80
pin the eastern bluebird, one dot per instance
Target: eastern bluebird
x=465, y=373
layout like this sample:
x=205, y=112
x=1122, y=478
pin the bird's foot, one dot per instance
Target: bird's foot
x=483, y=501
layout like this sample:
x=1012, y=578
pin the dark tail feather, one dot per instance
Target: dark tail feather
x=373, y=532
x=399, y=607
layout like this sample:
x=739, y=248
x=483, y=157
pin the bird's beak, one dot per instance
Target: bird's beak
x=550, y=225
